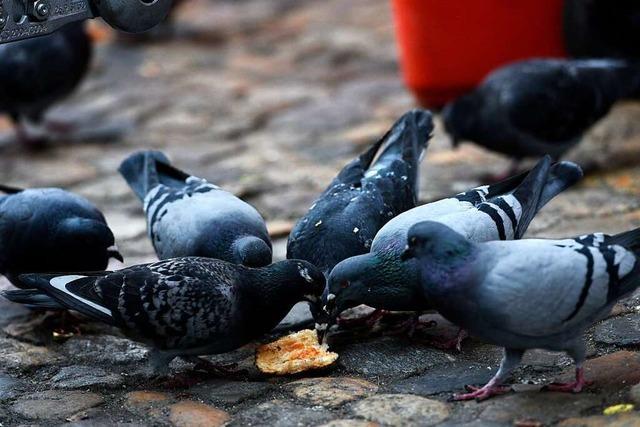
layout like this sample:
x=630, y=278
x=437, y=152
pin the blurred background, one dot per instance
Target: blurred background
x=270, y=98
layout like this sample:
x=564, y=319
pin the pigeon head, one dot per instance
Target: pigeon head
x=87, y=241
x=252, y=251
x=459, y=116
x=298, y=280
x=349, y=283
x=432, y=240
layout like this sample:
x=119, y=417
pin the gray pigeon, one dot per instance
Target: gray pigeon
x=182, y=307
x=531, y=293
x=500, y=211
x=51, y=230
x=187, y=216
x=368, y=192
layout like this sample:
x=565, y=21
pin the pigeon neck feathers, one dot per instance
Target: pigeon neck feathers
x=284, y=283
x=374, y=280
x=441, y=252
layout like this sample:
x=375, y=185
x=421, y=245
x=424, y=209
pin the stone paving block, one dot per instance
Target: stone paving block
x=444, y=378
x=281, y=413
x=621, y=331
x=401, y=410
x=329, y=391
x=194, y=414
x=543, y=407
x=79, y=376
x=388, y=357
x=55, y=404
x=230, y=392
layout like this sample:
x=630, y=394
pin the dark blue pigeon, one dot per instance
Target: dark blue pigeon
x=380, y=184
x=182, y=307
x=51, y=230
x=540, y=106
x=530, y=293
x=501, y=211
x=36, y=73
x=188, y=216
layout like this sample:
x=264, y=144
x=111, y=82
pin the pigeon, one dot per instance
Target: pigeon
x=51, y=230
x=183, y=307
x=188, y=216
x=541, y=106
x=39, y=72
x=530, y=293
x=369, y=191
x=501, y=211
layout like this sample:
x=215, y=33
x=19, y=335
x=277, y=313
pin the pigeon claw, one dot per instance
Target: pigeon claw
x=482, y=393
x=571, y=387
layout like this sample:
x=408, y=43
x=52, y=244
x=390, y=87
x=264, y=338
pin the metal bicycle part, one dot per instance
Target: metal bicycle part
x=23, y=19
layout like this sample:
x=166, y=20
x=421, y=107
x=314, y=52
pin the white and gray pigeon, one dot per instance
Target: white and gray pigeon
x=51, y=230
x=373, y=188
x=501, y=211
x=188, y=216
x=182, y=307
x=530, y=293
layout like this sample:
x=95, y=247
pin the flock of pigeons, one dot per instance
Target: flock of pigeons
x=363, y=241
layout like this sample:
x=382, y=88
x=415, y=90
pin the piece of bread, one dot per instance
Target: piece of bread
x=294, y=353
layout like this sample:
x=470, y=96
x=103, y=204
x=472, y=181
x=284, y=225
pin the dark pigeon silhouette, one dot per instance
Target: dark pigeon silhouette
x=380, y=184
x=38, y=72
x=182, y=307
x=530, y=293
x=187, y=216
x=541, y=106
x=51, y=230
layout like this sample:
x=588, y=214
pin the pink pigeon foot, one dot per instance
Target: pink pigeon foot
x=482, y=393
x=571, y=387
x=368, y=321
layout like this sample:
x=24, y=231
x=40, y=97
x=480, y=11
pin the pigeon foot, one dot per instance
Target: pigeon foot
x=571, y=387
x=482, y=393
x=368, y=321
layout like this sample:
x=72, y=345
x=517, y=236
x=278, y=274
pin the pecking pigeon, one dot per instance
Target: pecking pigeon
x=500, y=211
x=541, y=106
x=368, y=192
x=531, y=293
x=36, y=73
x=51, y=230
x=182, y=307
x=187, y=216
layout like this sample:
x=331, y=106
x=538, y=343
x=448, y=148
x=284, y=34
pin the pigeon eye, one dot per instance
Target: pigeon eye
x=413, y=240
x=344, y=284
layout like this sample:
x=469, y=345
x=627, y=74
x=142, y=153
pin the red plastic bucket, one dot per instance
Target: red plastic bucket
x=448, y=46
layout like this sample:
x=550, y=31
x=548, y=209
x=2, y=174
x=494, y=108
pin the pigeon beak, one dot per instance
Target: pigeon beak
x=113, y=252
x=408, y=253
x=322, y=328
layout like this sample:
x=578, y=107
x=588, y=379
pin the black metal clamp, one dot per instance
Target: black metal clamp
x=22, y=19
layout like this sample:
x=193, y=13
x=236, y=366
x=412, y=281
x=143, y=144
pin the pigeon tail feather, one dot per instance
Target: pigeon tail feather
x=32, y=298
x=57, y=287
x=629, y=239
x=528, y=194
x=407, y=140
x=561, y=176
x=10, y=190
x=146, y=169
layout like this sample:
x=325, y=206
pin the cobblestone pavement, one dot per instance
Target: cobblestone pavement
x=269, y=99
